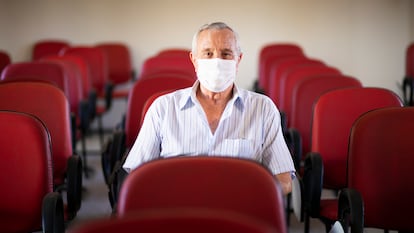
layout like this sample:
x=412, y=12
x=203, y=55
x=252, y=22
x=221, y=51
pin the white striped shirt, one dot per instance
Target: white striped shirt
x=175, y=124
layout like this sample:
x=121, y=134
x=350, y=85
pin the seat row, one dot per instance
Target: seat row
x=57, y=87
x=319, y=106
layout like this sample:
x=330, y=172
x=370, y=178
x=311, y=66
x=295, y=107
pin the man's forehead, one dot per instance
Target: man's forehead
x=212, y=38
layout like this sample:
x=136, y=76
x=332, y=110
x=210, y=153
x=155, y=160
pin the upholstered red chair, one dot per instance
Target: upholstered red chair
x=268, y=54
x=178, y=220
x=120, y=69
x=303, y=97
x=5, y=60
x=325, y=166
x=280, y=67
x=157, y=64
x=296, y=74
x=28, y=202
x=60, y=73
x=216, y=183
x=49, y=104
x=98, y=68
x=43, y=48
x=123, y=138
x=37, y=71
x=379, y=191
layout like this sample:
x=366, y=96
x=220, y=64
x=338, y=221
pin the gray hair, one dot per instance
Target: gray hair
x=216, y=26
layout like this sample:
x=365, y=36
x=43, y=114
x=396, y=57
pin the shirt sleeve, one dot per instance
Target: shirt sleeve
x=276, y=154
x=147, y=145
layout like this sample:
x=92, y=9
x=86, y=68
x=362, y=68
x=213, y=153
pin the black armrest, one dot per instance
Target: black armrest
x=109, y=89
x=294, y=142
x=92, y=102
x=313, y=183
x=112, y=153
x=53, y=213
x=84, y=114
x=73, y=129
x=351, y=210
x=74, y=184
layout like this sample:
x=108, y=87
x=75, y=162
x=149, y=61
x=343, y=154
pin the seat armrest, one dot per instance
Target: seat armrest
x=294, y=142
x=53, y=213
x=92, y=102
x=313, y=183
x=74, y=184
x=109, y=89
x=351, y=210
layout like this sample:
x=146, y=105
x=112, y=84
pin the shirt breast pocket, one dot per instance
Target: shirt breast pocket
x=236, y=148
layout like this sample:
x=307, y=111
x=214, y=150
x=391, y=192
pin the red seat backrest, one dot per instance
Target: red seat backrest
x=179, y=220
x=272, y=52
x=280, y=69
x=175, y=52
x=36, y=71
x=158, y=64
x=25, y=171
x=119, y=62
x=380, y=152
x=97, y=63
x=50, y=105
x=5, y=60
x=304, y=96
x=333, y=116
x=45, y=48
x=295, y=75
x=217, y=183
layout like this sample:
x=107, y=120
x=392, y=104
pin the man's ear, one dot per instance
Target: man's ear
x=193, y=60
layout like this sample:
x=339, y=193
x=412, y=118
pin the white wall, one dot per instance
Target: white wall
x=363, y=38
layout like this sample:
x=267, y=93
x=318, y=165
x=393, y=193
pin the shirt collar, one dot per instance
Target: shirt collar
x=189, y=98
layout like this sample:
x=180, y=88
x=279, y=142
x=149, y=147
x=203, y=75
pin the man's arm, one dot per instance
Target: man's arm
x=285, y=180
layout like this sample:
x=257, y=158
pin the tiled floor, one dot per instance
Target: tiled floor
x=95, y=202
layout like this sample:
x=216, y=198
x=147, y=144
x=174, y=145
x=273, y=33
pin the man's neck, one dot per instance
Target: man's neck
x=214, y=98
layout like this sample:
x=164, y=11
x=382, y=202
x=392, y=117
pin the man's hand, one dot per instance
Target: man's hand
x=285, y=180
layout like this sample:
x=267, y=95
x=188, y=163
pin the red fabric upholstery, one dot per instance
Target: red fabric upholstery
x=294, y=75
x=5, y=60
x=334, y=114
x=270, y=53
x=97, y=63
x=183, y=221
x=158, y=64
x=175, y=52
x=217, y=183
x=141, y=91
x=119, y=62
x=74, y=81
x=281, y=68
x=37, y=71
x=304, y=95
x=26, y=171
x=83, y=71
x=49, y=104
x=45, y=48
x=379, y=167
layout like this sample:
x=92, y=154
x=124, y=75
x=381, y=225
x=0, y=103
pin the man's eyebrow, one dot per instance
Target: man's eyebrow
x=227, y=50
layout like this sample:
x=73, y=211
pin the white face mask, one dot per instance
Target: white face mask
x=216, y=74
